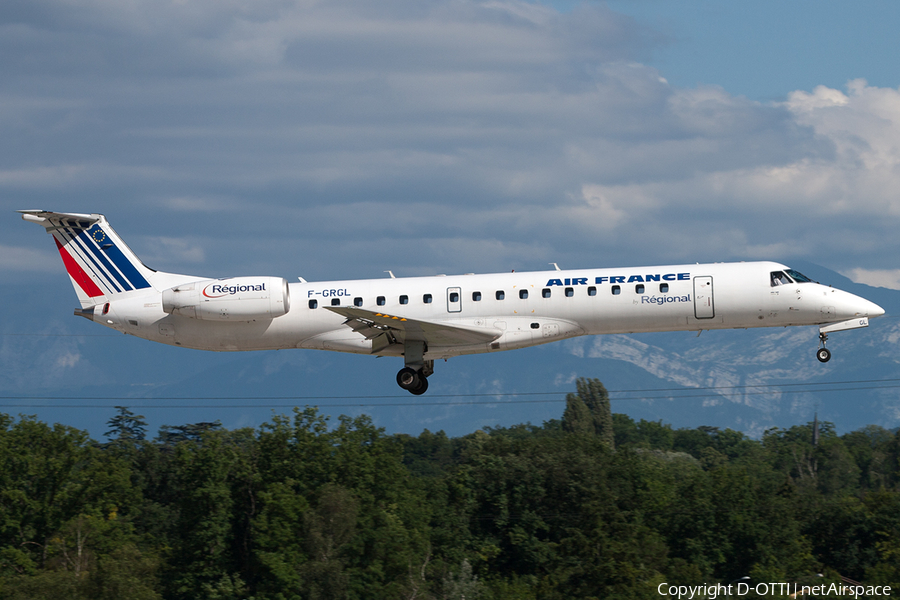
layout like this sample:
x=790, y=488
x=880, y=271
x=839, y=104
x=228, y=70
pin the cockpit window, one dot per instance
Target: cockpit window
x=798, y=276
x=779, y=278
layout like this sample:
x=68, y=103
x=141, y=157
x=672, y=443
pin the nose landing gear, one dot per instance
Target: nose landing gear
x=823, y=353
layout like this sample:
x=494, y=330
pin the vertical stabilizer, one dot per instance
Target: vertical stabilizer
x=100, y=265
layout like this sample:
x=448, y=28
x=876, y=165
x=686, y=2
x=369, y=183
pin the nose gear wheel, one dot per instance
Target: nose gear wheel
x=823, y=353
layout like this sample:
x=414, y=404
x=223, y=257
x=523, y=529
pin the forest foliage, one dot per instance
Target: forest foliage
x=594, y=505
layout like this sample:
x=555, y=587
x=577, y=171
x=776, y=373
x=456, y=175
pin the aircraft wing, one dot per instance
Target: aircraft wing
x=384, y=329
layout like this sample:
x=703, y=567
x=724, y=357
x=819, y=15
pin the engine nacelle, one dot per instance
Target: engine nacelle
x=235, y=299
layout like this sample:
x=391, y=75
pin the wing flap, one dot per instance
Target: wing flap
x=398, y=329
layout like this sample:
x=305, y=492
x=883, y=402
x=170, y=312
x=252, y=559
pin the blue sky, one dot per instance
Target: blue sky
x=339, y=139
x=766, y=49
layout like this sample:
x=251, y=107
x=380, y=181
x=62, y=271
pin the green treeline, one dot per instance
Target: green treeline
x=594, y=505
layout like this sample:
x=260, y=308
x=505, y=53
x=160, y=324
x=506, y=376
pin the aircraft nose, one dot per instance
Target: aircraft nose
x=851, y=306
x=873, y=310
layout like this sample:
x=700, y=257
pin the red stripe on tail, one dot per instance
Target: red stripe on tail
x=77, y=273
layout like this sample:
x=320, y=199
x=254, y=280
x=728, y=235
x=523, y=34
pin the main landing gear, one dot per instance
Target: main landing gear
x=412, y=380
x=823, y=353
x=414, y=376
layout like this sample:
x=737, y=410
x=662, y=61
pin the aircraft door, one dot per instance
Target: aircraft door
x=454, y=299
x=704, y=305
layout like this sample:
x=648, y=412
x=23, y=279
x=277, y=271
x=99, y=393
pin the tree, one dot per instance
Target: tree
x=204, y=562
x=462, y=585
x=329, y=528
x=588, y=411
x=596, y=398
x=126, y=428
x=169, y=435
x=576, y=417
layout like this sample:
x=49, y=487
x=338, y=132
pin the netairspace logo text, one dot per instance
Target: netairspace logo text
x=771, y=589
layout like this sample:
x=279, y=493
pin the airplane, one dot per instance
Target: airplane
x=424, y=319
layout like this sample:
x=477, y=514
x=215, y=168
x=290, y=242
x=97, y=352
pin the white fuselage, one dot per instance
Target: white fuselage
x=526, y=309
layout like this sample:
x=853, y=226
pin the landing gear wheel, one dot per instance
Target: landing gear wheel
x=422, y=388
x=823, y=354
x=409, y=379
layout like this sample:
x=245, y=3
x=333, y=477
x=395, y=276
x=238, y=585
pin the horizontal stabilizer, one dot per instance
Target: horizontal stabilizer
x=56, y=220
x=371, y=325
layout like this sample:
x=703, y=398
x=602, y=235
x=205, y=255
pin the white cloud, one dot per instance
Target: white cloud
x=66, y=176
x=200, y=204
x=170, y=250
x=802, y=207
x=479, y=131
x=888, y=278
x=13, y=258
x=68, y=360
x=565, y=379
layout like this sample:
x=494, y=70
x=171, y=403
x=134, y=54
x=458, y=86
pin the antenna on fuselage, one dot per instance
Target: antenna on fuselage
x=555, y=266
x=391, y=273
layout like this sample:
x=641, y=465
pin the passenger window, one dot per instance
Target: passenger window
x=500, y=295
x=592, y=291
x=404, y=299
x=357, y=302
x=335, y=301
x=476, y=296
x=380, y=301
x=523, y=294
x=663, y=288
x=535, y=325
x=570, y=292
x=314, y=304
x=454, y=297
x=545, y=292
x=426, y=298
x=616, y=290
x=639, y=288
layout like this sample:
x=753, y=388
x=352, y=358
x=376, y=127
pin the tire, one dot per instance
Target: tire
x=421, y=388
x=823, y=354
x=408, y=378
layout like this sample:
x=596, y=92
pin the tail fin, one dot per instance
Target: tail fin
x=99, y=263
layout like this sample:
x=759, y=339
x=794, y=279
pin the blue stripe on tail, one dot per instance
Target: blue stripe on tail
x=89, y=261
x=86, y=242
x=118, y=257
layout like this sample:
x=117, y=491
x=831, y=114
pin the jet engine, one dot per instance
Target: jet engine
x=235, y=299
